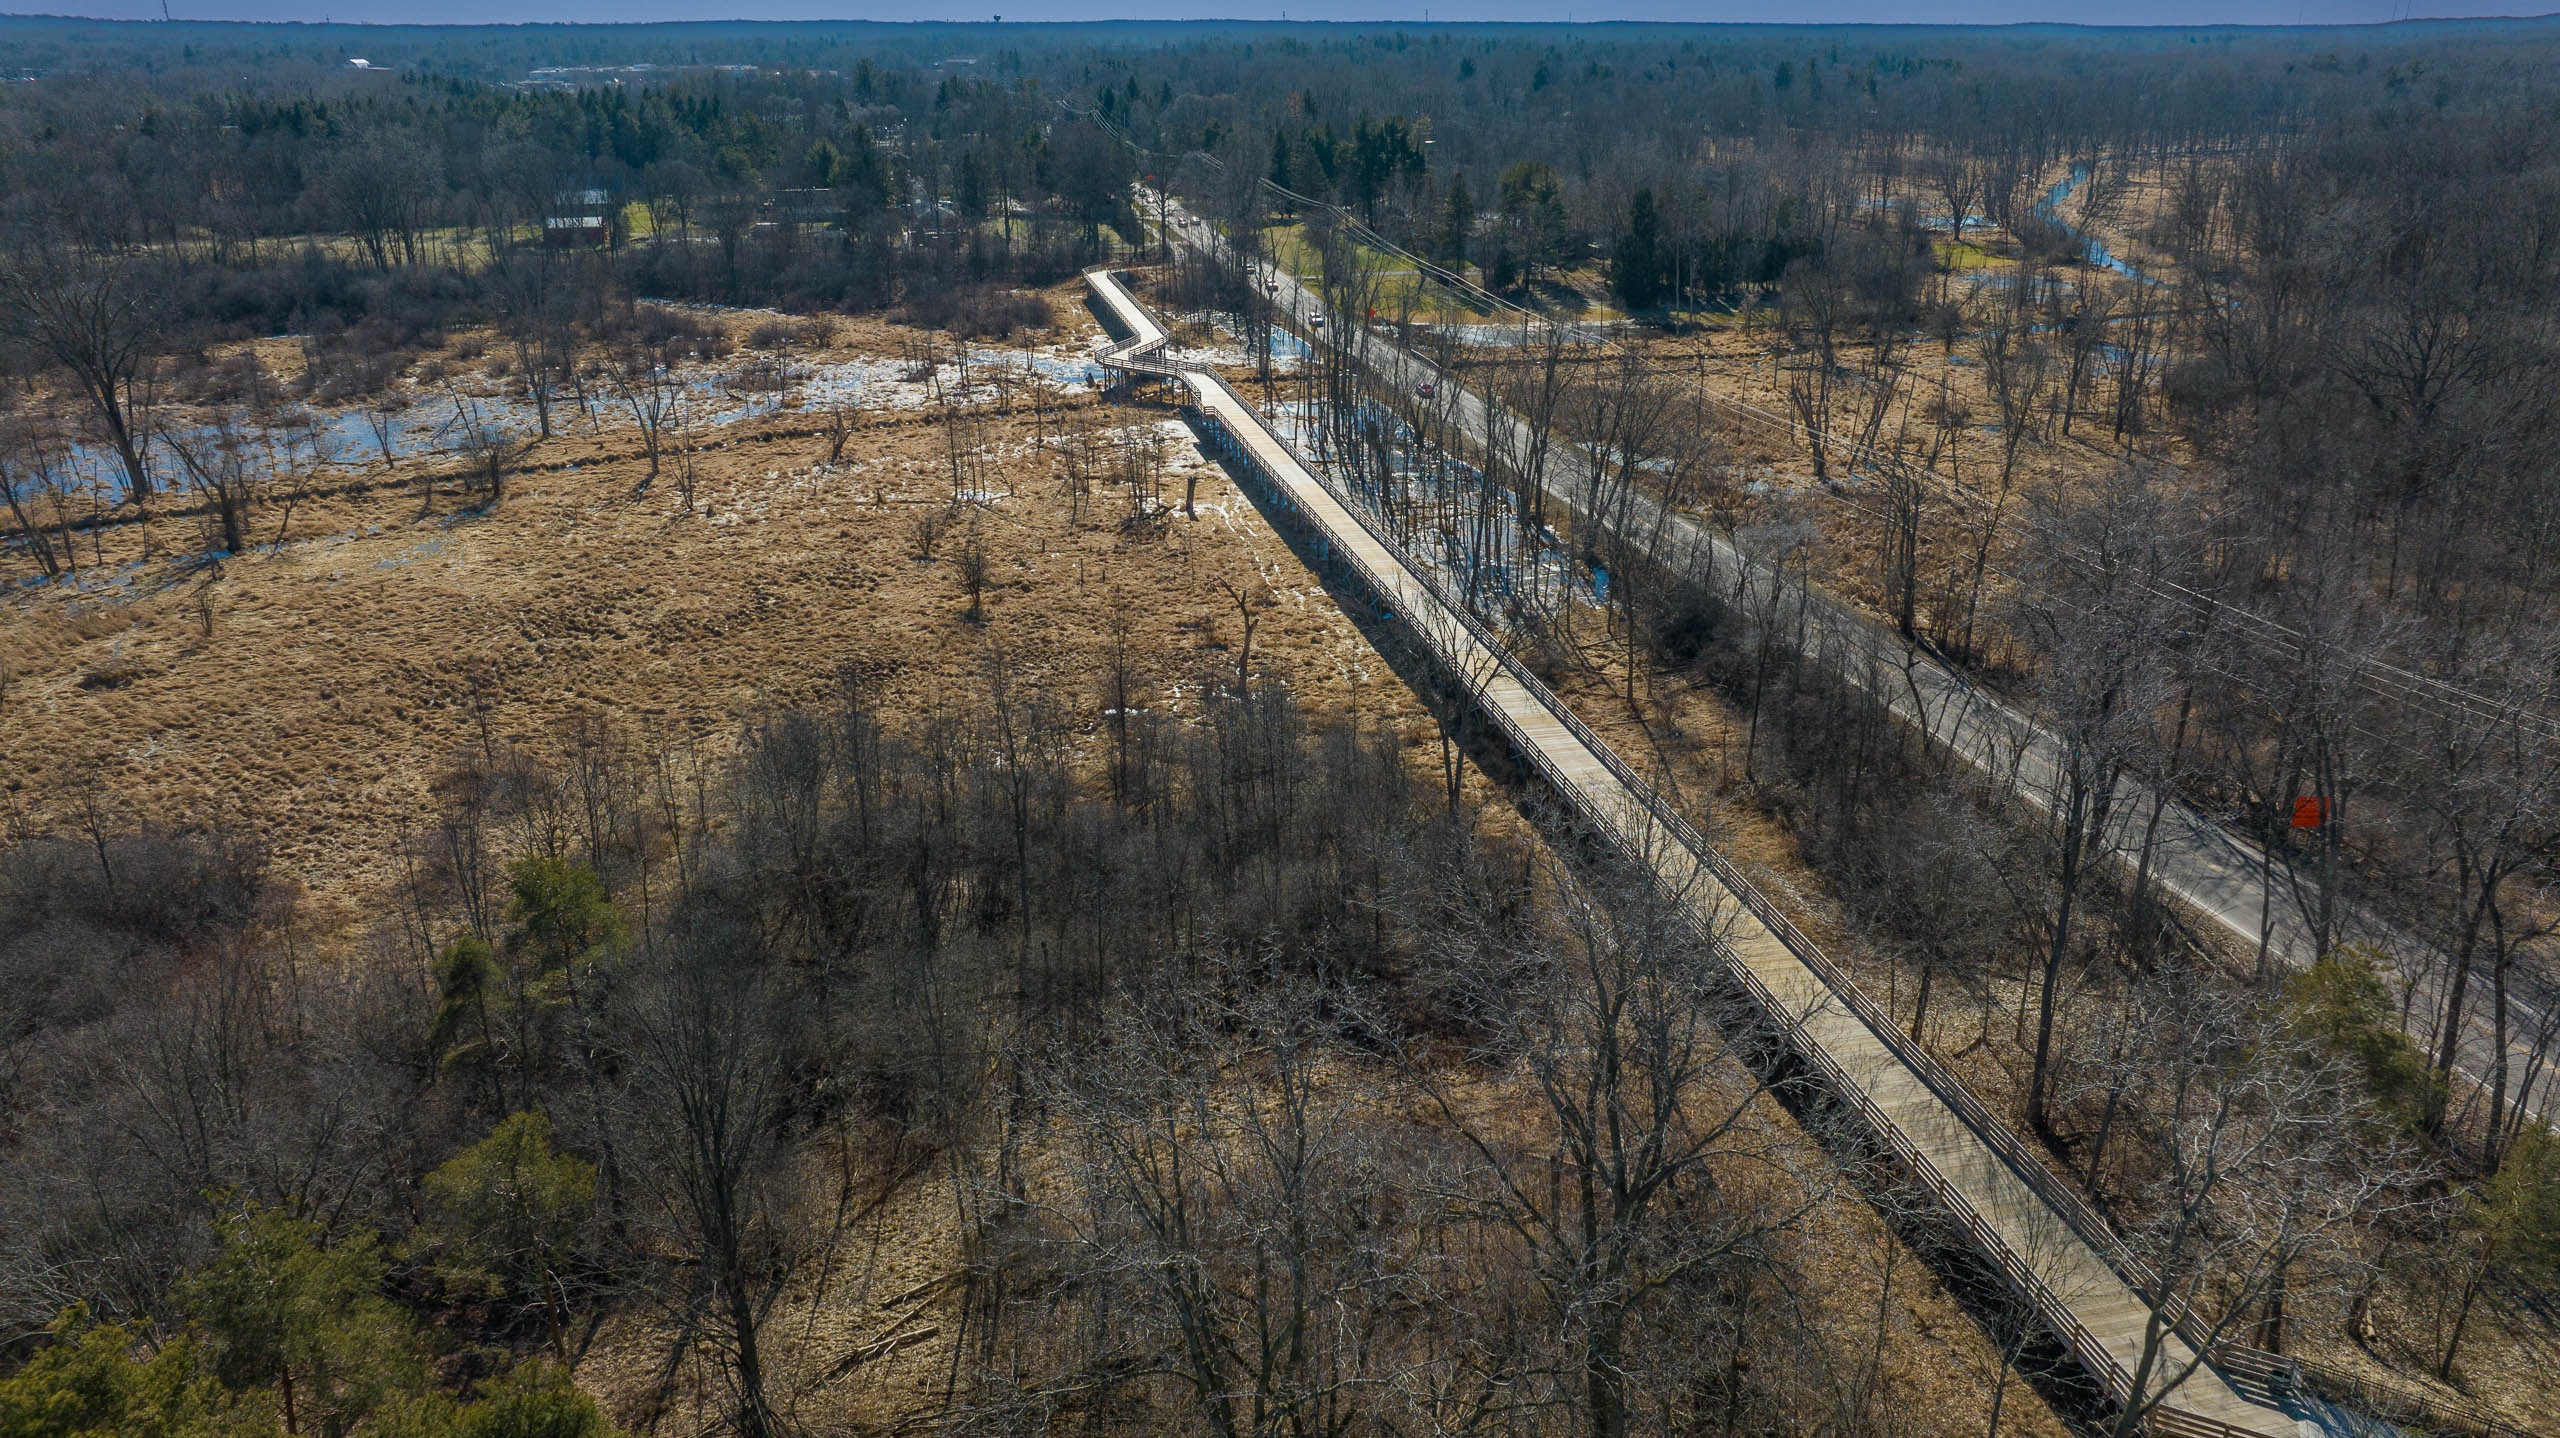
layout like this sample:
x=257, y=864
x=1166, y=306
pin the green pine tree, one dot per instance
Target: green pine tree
x=2342, y=1005
x=503, y=1217
x=100, y=1380
x=1636, y=271
x=283, y=1314
x=1458, y=223
x=2514, y=1221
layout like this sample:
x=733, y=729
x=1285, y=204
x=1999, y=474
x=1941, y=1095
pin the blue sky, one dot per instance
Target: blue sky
x=1955, y=12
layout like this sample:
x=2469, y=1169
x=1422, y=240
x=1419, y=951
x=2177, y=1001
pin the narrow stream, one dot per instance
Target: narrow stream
x=2095, y=252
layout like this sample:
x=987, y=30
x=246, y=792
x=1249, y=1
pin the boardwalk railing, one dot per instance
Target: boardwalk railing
x=2014, y=1269
x=2267, y=1372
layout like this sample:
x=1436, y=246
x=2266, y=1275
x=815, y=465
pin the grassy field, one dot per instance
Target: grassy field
x=1402, y=291
x=1961, y=255
x=312, y=692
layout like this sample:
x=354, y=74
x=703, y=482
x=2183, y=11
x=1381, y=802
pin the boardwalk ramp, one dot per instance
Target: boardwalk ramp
x=2055, y=1253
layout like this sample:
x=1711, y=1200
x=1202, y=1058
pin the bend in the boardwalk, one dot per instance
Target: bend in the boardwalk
x=2012, y=1210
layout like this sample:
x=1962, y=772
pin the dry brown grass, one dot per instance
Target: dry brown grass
x=862, y=1341
x=1692, y=735
x=342, y=671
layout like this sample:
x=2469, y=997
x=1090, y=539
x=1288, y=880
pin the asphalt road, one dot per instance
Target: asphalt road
x=2214, y=872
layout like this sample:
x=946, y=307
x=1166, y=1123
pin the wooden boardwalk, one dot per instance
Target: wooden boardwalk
x=2212, y=869
x=2051, y=1249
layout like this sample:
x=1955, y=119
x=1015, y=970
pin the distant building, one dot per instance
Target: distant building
x=580, y=219
x=933, y=219
x=361, y=64
x=575, y=232
x=574, y=77
x=803, y=207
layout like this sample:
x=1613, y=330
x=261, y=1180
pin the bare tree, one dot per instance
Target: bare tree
x=2259, y=1171
x=1614, y=1023
x=2098, y=620
x=101, y=316
x=230, y=474
x=1957, y=180
x=654, y=395
x=489, y=450
x=1818, y=304
x=2015, y=370
x=2488, y=782
x=29, y=486
x=537, y=297
x=841, y=418
x=1250, y=601
x=710, y=1038
x=973, y=575
x=1213, y=1211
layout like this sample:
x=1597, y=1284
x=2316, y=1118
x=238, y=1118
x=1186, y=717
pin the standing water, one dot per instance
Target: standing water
x=2096, y=253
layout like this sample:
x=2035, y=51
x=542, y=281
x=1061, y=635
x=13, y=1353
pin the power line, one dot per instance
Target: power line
x=2380, y=677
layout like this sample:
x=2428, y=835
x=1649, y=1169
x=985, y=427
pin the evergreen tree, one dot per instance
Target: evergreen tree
x=284, y=1315
x=1459, y=225
x=2513, y=1221
x=503, y=1217
x=462, y=1036
x=2342, y=1005
x=1636, y=271
x=88, y=1382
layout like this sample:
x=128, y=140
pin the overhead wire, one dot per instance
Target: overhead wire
x=2381, y=677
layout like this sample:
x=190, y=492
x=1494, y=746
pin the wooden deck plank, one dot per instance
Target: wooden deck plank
x=2022, y=1222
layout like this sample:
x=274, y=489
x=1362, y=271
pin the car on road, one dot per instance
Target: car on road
x=1423, y=389
x=1315, y=322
